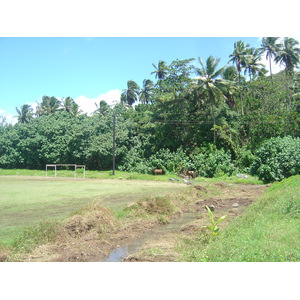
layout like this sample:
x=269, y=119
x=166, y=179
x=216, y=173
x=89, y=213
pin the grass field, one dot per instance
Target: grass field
x=28, y=196
x=27, y=200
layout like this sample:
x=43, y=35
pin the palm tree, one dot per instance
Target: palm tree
x=161, y=70
x=146, y=92
x=69, y=105
x=48, y=106
x=269, y=46
x=210, y=83
x=130, y=95
x=102, y=108
x=252, y=64
x=25, y=113
x=238, y=57
x=288, y=55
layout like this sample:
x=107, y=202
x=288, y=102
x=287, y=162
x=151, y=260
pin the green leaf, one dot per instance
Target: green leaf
x=220, y=219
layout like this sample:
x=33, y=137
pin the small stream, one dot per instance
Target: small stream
x=119, y=253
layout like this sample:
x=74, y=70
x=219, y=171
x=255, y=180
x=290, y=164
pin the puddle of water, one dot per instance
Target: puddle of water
x=119, y=253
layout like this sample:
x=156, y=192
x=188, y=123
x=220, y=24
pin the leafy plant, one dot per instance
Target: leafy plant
x=277, y=158
x=213, y=228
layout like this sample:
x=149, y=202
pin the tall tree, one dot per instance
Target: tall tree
x=49, y=105
x=130, y=95
x=288, y=55
x=211, y=84
x=270, y=47
x=161, y=70
x=238, y=57
x=252, y=62
x=146, y=91
x=102, y=108
x=25, y=113
x=69, y=105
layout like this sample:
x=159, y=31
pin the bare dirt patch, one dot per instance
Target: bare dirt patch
x=92, y=236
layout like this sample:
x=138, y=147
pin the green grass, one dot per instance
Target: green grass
x=27, y=200
x=268, y=231
x=123, y=175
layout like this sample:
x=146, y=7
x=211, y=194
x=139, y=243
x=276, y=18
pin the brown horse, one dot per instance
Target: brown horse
x=190, y=174
x=156, y=171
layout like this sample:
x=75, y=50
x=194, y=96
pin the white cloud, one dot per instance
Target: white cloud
x=9, y=118
x=88, y=106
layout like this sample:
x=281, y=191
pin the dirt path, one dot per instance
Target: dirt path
x=158, y=242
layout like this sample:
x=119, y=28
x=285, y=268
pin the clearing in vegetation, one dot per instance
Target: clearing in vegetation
x=28, y=200
x=260, y=226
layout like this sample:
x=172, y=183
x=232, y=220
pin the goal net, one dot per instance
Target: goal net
x=65, y=170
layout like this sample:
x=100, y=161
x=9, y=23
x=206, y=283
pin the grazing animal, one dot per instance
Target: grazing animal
x=190, y=174
x=156, y=171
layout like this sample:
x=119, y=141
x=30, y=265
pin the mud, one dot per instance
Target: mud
x=144, y=239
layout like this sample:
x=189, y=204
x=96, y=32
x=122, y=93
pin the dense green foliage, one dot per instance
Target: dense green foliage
x=277, y=159
x=197, y=115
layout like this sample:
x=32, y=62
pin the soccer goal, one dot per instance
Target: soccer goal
x=65, y=170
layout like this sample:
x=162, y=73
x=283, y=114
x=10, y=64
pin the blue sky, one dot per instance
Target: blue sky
x=91, y=69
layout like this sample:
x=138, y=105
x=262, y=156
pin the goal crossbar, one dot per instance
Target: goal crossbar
x=65, y=165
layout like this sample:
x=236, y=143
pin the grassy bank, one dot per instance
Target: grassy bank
x=268, y=231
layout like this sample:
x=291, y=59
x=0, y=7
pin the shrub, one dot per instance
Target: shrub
x=171, y=161
x=213, y=164
x=276, y=159
x=244, y=160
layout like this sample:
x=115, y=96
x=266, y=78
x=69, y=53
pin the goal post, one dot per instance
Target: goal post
x=66, y=166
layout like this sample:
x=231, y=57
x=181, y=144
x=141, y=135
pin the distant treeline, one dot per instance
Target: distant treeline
x=195, y=113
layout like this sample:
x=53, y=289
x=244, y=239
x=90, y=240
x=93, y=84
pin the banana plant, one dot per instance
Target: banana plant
x=213, y=228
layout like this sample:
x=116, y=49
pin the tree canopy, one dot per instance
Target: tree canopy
x=194, y=108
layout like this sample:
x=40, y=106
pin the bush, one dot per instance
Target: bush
x=213, y=164
x=276, y=159
x=244, y=160
x=175, y=162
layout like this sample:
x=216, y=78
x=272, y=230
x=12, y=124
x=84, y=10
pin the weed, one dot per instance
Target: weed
x=163, y=219
x=292, y=208
x=213, y=228
x=32, y=236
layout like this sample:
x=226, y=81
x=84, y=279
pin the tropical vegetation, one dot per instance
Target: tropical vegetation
x=198, y=115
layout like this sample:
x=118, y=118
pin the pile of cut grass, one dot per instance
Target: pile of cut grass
x=268, y=231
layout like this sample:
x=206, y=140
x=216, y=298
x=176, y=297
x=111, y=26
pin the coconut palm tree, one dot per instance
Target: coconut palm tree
x=252, y=62
x=161, y=70
x=239, y=57
x=25, y=113
x=288, y=55
x=66, y=104
x=69, y=105
x=146, y=92
x=211, y=84
x=270, y=47
x=130, y=95
x=49, y=105
x=102, y=108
